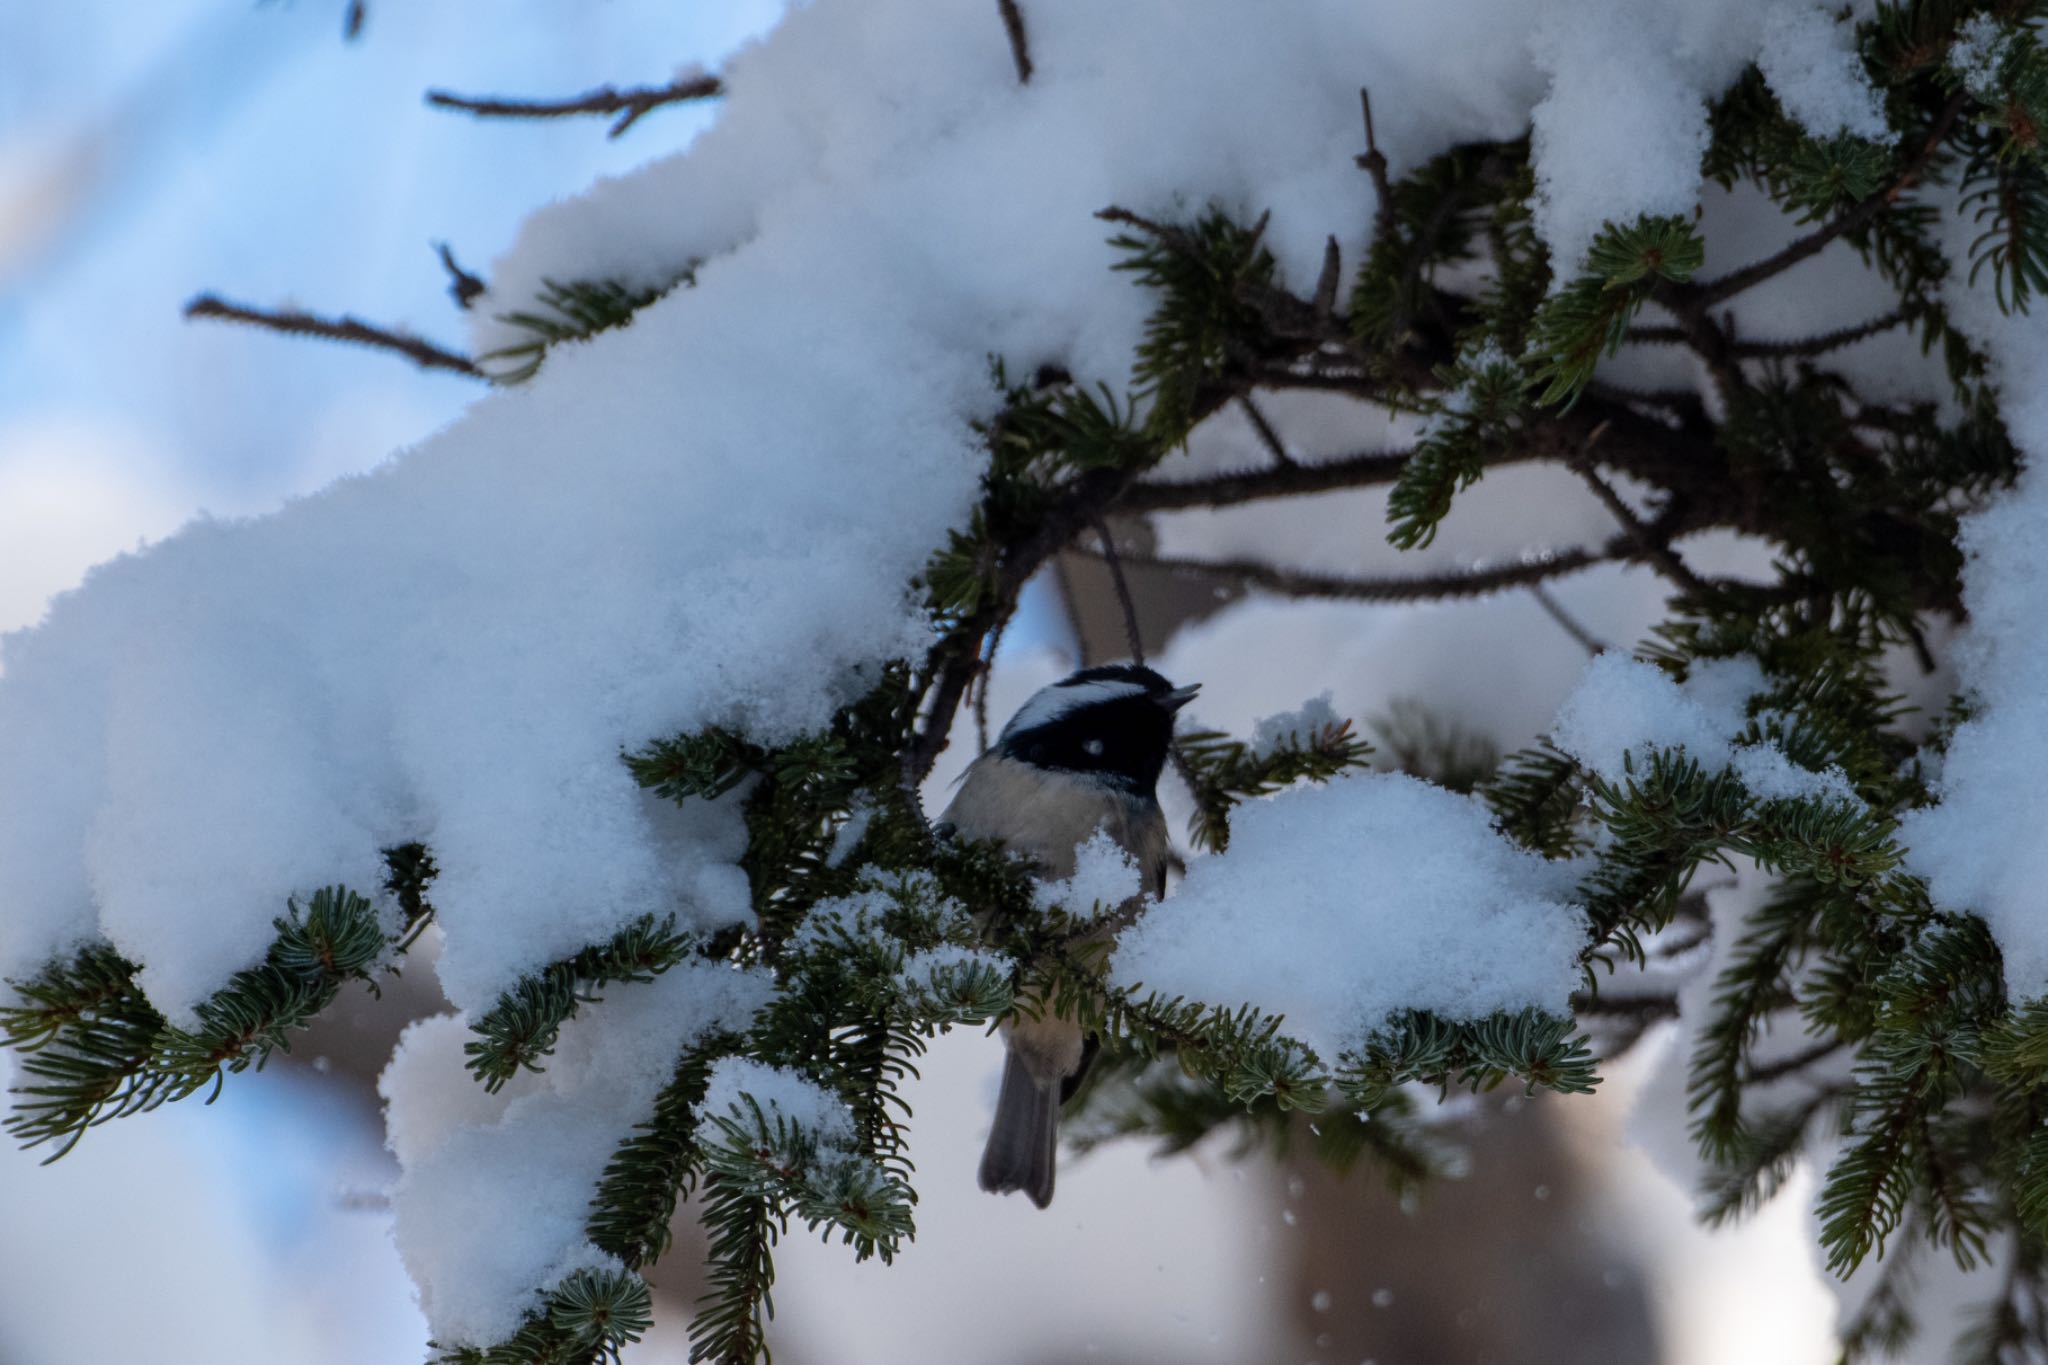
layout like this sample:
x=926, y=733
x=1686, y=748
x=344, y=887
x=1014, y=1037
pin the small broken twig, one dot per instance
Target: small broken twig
x=1020, y=50
x=1654, y=547
x=420, y=351
x=1269, y=437
x=631, y=105
x=1374, y=163
x=463, y=287
x=1584, y=638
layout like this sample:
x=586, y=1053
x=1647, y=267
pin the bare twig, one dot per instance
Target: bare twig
x=1374, y=164
x=1164, y=232
x=420, y=351
x=631, y=105
x=1710, y=292
x=1267, y=436
x=1654, y=547
x=1020, y=49
x=462, y=286
x=1133, y=637
x=1409, y=588
x=352, y=20
x=1585, y=639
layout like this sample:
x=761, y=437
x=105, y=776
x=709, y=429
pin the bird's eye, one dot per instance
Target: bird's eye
x=1093, y=746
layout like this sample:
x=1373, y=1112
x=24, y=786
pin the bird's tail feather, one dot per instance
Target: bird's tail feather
x=1024, y=1139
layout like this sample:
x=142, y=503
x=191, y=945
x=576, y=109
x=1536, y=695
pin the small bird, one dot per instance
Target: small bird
x=1081, y=755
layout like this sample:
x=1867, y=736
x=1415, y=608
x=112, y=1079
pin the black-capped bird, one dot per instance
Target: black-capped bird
x=1083, y=754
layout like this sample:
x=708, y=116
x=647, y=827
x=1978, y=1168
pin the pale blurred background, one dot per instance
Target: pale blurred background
x=149, y=152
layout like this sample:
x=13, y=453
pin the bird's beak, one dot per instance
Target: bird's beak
x=1179, y=697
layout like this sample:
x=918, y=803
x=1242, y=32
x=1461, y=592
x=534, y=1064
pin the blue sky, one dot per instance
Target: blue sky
x=152, y=152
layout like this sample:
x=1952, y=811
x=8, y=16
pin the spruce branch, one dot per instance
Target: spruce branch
x=520, y=1029
x=295, y=322
x=571, y=311
x=631, y=104
x=1707, y=293
x=588, y=1319
x=1221, y=772
x=94, y=1048
x=658, y=1164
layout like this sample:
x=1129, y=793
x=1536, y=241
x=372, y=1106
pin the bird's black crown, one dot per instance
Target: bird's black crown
x=1113, y=723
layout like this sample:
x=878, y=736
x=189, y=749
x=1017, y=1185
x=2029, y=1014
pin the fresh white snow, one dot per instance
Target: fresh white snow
x=1338, y=905
x=477, y=1257
x=1624, y=708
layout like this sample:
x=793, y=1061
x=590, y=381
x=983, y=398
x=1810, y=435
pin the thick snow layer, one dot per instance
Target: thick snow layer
x=1982, y=849
x=1809, y=60
x=477, y=1257
x=1623, y=707
x=710, y=516
x=1340, y=904
x=457, y=646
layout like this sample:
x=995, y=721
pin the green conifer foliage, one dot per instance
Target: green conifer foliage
x=1919, y=1082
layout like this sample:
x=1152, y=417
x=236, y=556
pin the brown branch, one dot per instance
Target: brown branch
x=1269, y=437
x=1819, y=344
x=1411, y=588
x=631, y=105
x=420, y=351
x=1707, y=293
x=1020, y=49
x=1284, y=481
